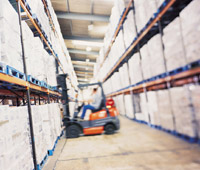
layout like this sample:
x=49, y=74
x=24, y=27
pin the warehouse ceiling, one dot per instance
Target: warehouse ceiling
x=83, y=24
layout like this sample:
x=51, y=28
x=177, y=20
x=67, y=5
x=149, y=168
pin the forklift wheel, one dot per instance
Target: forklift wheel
x=109, y=129
x=73, y=131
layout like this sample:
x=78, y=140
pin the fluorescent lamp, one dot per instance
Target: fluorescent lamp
x=87, y=43
x=88, y=49
x=90, y=27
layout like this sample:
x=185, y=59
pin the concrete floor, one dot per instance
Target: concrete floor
x=134, y=147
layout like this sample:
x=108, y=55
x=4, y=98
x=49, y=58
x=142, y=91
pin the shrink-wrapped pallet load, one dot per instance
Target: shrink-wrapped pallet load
x=140, y=14
x=129, y=29
x=159, y=2
x=195, y=96
x=11, y=52
x=116, y=81
x=174, y=50
x=119, y=46
x=150, y=8
x=153, y=108
x=190, y=24
x=124, y=75
x=120, y=104
x=144, y=107
x=157, y=60
x=129, y=106
x=183, y=112
x=165, y=110
x=135, y=70
x=146, y=67
x=15, y=147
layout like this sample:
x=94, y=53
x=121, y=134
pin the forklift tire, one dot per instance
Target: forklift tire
x=109, y=129
x=73, y=131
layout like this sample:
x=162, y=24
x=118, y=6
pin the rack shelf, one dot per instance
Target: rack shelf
x=186, y=77
x=23, y=85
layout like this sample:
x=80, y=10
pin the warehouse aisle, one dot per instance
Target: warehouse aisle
x=134, y=147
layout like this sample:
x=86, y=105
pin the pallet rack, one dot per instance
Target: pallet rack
x=53, y=28
x=117, y=30
x=24, y=89
x=187, y=74
x=160, y=19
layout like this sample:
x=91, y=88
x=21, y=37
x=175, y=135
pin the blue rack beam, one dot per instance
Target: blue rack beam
x=176, y=80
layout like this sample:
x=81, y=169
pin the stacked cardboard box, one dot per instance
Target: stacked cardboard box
x=174, y=50
x=129, y=29
x=15, y=147
x=144, y=107
x=10, y=36
x=124, y=75
x=156, y=58
x=135, y=70
x=128, y=101
x=183, y=112
x=165, y=110
x=153, y=108
x=190, y=25
x=195, y=93
x=47, y=127
x=146, y=67
x=140, y=14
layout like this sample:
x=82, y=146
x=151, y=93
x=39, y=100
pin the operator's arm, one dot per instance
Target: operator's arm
x=89, y=100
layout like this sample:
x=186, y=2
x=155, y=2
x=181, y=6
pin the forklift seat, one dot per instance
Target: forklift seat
x=102, y=106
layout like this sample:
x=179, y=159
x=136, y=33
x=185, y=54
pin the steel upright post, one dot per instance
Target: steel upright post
x=27, y=91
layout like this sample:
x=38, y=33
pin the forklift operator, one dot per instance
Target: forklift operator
x=96, y=102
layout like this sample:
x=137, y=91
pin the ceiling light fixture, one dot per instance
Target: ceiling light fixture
x=87, y=43
x=89, y=49
x=90, y=27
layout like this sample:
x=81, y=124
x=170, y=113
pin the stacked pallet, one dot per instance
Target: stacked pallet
x=156, y=56
x=135, y=70
x=47, y=127
x=11, y=51
x=184, y=114
x=15, y=147
x=190, y=26
x=195, y=93
x=146, y=67
x=174, y=50
x=35, y=53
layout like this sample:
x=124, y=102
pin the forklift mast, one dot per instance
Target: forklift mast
x=61, y=81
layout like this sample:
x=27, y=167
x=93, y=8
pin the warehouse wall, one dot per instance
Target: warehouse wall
x=176, y=108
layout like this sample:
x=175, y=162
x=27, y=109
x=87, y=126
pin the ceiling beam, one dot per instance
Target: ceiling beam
x=82, y=38
x=82, y=59
x=83, y=63
x=85, y=17
x=83, y=67
x=83, y=79
x=84, y=75
x=74, y=51
x=83, y=72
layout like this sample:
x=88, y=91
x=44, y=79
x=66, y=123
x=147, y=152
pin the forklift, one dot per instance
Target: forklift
x=105, y=119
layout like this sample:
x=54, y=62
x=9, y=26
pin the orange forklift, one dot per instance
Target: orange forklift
x=105, y=119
